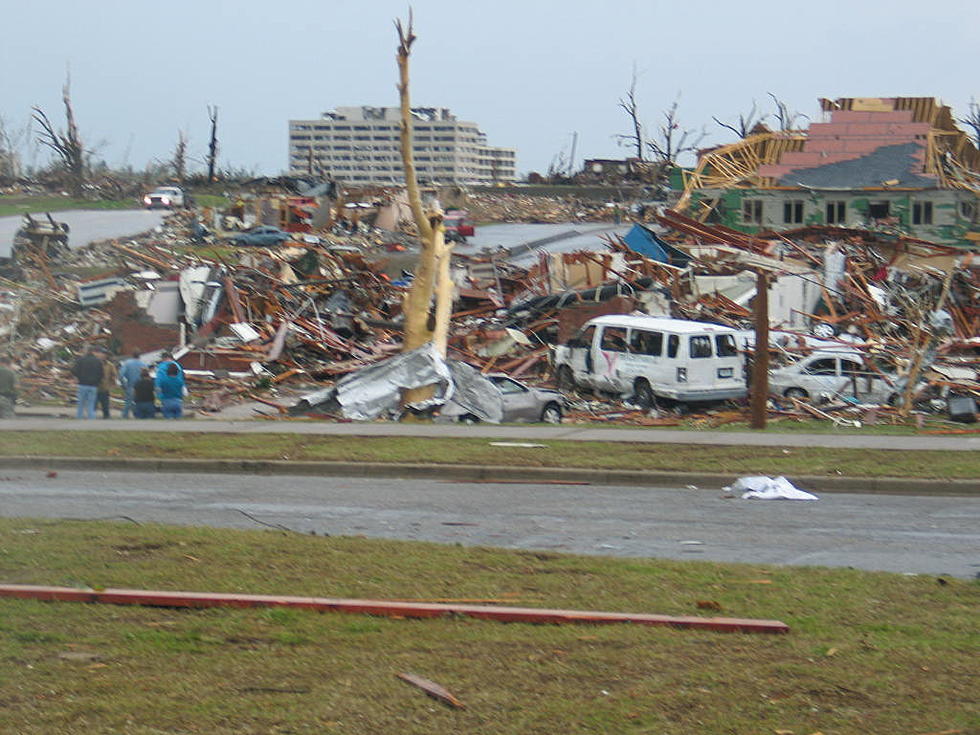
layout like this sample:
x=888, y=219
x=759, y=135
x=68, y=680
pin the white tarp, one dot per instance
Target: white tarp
x=760, y=487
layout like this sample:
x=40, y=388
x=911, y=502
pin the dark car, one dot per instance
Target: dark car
x=260, y=236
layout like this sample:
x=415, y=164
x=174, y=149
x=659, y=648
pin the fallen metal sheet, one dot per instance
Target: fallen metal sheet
x=473, y=394
x=377, y=389
x=386, y=608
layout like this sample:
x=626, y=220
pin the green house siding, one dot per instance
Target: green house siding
x=944, y=216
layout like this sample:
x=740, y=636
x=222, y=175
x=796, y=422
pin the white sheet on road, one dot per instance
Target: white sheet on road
x=760, y=487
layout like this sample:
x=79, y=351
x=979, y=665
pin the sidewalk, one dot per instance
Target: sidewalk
x=842, y=439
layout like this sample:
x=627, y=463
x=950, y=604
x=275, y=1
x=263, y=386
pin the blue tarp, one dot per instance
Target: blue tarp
x=645, y=242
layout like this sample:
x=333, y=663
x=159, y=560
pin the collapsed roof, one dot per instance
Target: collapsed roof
x=867, y=143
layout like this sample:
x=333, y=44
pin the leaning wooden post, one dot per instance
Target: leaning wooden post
x=760, y=360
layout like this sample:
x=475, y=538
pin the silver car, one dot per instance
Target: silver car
x=524, y=403
x=826, y=375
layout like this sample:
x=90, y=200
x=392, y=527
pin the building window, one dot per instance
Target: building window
x=793, y=212
x=967, y=210
x=752, y=211
x=921, y=213
x=836, y=213
x=879, y=210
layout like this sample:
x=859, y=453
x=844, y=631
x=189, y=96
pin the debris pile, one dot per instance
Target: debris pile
x=272, y=324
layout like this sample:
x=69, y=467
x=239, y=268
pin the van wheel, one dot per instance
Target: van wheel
x=468, y=419
x=643, y=394
x=551, y=414
x=564, y=379
x=797, y=393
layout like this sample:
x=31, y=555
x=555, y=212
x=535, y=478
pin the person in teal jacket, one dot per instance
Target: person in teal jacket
x=170, y=388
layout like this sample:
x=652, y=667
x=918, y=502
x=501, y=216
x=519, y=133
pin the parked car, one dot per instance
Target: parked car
x=653, y=358
x=165, y=197
x=519, y=402
x=824, y=375
x=260, y=236
x=524, y=403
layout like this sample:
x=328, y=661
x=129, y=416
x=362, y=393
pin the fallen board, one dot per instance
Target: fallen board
x=387, y=608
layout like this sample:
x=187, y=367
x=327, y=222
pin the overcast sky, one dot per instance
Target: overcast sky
x=529, y=72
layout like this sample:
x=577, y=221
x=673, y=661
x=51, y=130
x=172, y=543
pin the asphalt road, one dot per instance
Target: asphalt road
x=888, y=533
x=88, y=225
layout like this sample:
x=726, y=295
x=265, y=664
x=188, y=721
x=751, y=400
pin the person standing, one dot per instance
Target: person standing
x=129, y=374
x=88, y=371
x=171, y=391
x=144, y=392
x=8, y=388
x=166, y=360
x=110, y=376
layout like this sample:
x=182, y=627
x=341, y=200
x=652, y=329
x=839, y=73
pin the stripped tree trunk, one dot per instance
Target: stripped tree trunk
x=433, y=267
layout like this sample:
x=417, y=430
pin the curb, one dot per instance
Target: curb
x=488, y=474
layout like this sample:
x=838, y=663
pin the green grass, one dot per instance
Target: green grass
x=598, y=455
x=11, y=205
x=216, y=201
x=868, y=652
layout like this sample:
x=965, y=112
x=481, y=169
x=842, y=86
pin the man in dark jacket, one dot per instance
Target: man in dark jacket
x=88, y=371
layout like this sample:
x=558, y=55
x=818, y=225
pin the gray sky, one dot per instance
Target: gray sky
x=528, y=72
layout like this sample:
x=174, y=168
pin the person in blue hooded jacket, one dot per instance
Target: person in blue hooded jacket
x=170, y=388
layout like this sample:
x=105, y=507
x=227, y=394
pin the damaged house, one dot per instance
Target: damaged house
x=890, y=164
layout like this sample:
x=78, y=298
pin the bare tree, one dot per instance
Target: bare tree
x=67, y=145
x=213, y=145
x=972, y=120
x=785, y=118
x=629, y=106
x=179, y=160
x=672, y=140
x=9, y=160
x=746, y=123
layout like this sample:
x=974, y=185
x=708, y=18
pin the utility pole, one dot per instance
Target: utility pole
x=213, y=145
x=760, y=359
x=571, y=159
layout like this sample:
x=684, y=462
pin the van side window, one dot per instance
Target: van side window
x=647, y=343
x=614, y=339
x=700, y=346
x=824, y=366
x=673, y=342
x=725, y=345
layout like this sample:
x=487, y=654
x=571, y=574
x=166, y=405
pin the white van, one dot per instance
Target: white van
x=653, y=357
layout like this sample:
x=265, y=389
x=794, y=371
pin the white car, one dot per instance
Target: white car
x=827, y=375
x=164, y=197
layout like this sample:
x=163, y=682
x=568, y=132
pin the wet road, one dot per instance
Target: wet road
x=889, y=533
x=88, y=225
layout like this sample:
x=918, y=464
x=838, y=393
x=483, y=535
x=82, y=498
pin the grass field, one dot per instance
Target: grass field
x=868, y=652
x=598, y=455
x=10, y=205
